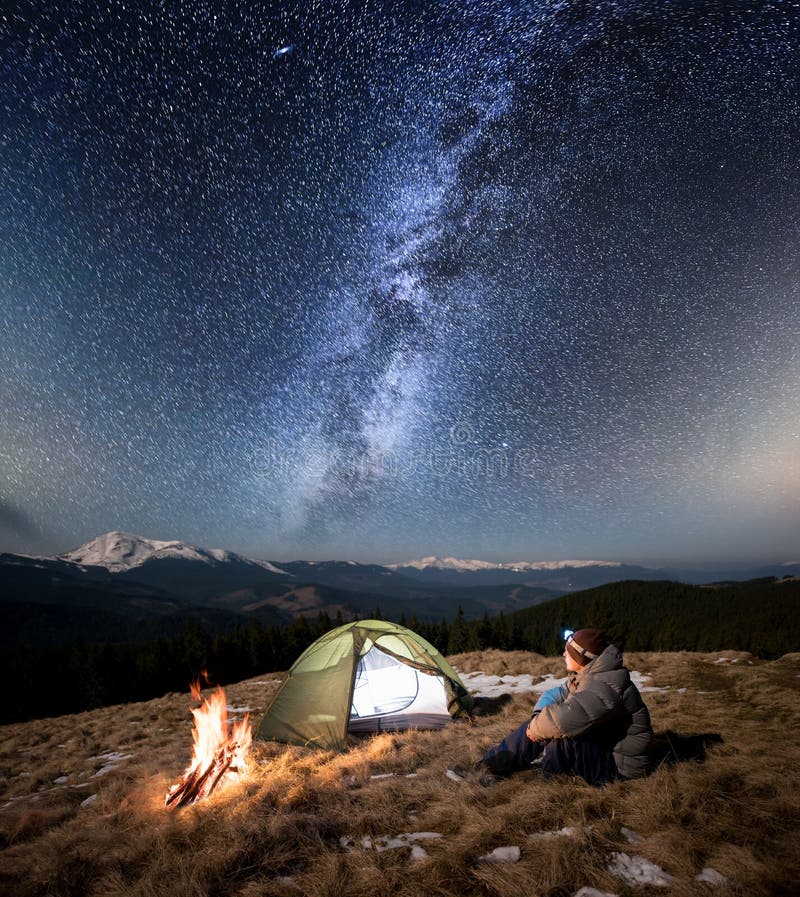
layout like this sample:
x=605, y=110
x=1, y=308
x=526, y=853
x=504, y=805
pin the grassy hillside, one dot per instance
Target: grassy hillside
x=81, y=809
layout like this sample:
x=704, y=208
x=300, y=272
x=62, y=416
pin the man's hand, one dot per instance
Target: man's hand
x=529, y=733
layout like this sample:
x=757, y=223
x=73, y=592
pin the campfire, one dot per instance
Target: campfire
x=218, y=752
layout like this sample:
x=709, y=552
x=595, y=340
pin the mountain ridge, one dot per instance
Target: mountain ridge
x=471, y=565
x=121, y=552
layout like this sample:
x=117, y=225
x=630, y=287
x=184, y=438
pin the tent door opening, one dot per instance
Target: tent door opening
x=390, y=695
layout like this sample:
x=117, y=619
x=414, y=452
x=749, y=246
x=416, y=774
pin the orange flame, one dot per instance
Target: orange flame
x=217, y=753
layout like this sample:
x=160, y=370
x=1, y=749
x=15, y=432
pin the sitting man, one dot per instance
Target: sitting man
x=596, y=725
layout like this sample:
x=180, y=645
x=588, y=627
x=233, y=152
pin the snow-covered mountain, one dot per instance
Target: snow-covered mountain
x=470, y=566
x=120, y=552
x=566, y=575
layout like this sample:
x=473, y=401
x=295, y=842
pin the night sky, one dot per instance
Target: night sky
x=510, y=281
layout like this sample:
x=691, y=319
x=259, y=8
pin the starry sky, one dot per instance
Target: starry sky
x=375, y=280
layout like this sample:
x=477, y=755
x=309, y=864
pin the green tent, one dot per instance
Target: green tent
x=365, y=676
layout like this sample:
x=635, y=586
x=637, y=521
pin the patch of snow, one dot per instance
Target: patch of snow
x=383, y=775
x=112, y=760
x=586, y=891
x=454, y=776
x=640, y=680
x=632, y=836
x=711, y=876
x=404, y=839
x=111, y=757
x=501, y=855
x=61, y=780
x=567, y=832
x=389, y=842
x=485, y=686
x=635, y=870
x=89, y=800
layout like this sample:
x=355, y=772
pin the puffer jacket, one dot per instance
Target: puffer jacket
x=600, y=701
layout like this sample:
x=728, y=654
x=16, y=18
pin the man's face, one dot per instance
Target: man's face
x=572, y=665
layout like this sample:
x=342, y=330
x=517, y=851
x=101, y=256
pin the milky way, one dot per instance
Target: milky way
x=375, y=280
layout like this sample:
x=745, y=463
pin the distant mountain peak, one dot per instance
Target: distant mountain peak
x=462, y=565
x=448, y=563
x=562, y=565
x=118, y=552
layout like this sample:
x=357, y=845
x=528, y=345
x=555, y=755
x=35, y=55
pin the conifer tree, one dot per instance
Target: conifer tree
x=457, y=641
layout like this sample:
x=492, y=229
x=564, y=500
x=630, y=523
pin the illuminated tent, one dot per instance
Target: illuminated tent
x=365, y=676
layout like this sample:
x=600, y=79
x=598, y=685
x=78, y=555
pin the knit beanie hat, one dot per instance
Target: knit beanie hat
x=586, y=644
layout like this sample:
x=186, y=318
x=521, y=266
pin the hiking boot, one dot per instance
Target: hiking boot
x=486, y=778
x=486, y=775
x=477, y=772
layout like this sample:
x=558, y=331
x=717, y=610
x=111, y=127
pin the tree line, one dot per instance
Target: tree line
x=760, y=617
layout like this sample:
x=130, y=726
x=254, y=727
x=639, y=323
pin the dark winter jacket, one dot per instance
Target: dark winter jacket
x=602, y=703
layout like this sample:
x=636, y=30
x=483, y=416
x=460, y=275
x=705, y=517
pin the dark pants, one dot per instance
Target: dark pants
x=589, y=759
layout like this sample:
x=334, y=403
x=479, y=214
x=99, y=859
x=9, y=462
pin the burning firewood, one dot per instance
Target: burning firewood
x=217, y=752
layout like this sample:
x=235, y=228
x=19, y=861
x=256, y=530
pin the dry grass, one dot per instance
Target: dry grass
x=296, y=823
